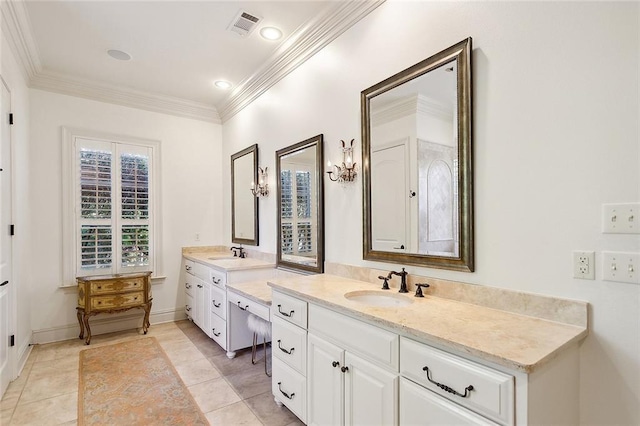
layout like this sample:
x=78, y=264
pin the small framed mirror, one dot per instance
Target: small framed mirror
x=417, y=169
x=244, y=205
x=301, y=206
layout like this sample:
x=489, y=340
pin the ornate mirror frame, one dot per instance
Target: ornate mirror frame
x=291, y=261
x=240, y=208
x=464, y=261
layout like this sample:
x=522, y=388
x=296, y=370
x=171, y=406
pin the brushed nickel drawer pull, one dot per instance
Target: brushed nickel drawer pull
x=284, y=313
x=446, y=388
x=289, y=352
x=284, y=393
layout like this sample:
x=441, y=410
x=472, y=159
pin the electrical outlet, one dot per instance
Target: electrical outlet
x=197, y=237
x=584, y=265
x=621, y=267
x=621, y=218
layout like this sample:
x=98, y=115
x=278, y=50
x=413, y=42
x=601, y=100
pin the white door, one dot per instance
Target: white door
x=5, y=243
x=389, y=202
x=324, y=379
x=371, y=394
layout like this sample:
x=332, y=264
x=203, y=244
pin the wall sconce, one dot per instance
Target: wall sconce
x=346, y=172
x=263, y=187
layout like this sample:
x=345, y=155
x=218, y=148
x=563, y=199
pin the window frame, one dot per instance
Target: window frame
x=70, y=203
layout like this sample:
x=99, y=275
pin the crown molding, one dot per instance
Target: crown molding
x=16, y=26
x=300, y=46
x=415, y=104
x=124, y=96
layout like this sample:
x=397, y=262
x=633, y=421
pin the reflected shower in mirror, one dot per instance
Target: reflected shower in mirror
x=417, y=163
x=301, y=211
x=244, y=205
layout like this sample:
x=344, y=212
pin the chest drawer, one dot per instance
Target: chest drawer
x=289, y=387
x=289, y=309
x=218, y=302
x=443, y=373
x=117, y=301
x=289, y=343
x=373, y=343
x=190, y=282
x=188, y=266
x=219, y=331
x=248, y=305
x=119, y=285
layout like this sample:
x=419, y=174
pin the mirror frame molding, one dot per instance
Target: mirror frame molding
x=318, y=142
x=253, y=149
x=465, y=261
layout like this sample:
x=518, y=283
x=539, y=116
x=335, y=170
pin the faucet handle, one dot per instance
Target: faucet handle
x=385, y=285
x=419, y=287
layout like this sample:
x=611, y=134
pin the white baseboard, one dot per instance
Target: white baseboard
x=106, y=323
x=23, y=354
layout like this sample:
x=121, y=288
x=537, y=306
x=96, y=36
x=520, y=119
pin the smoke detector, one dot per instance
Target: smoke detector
x=243, y=23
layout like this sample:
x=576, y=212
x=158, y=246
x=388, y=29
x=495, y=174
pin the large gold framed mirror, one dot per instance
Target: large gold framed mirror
x=244, y=205
x=417, y=164
x=301, y=206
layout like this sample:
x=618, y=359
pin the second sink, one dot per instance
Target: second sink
x=378, y=298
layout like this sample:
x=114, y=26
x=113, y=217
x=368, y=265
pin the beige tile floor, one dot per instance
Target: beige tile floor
x=229, y=392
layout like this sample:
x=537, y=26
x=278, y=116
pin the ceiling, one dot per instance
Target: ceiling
x=178, y=48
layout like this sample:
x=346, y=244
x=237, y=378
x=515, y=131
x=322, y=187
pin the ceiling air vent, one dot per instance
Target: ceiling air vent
x=243, y=23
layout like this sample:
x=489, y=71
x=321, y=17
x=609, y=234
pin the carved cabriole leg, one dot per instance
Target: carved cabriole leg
x=85, y=319
x=80, y=322
x=145, y=322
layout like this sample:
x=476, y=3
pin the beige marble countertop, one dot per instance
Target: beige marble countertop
x=516, y=341
x=258, y=291
x=226, y=262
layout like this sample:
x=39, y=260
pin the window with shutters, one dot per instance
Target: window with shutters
x=110, y=219
x=297, y=211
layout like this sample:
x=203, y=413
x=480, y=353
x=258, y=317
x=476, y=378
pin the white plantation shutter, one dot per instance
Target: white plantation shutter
x=113, y=207
x=297, y=211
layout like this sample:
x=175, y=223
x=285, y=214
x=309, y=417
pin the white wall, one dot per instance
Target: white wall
x=191, y=186
x=556, y=113
x=21, y=284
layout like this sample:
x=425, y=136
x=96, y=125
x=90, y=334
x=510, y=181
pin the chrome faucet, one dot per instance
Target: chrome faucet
x=403, y=280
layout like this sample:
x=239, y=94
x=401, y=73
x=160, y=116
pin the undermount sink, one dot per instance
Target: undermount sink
x=378, y=298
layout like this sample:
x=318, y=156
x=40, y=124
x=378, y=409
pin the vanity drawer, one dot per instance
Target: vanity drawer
x=289, y=308
x=117, y=301
x=217, y=278
x=493, y=391
x=289, y=387
x=189, y=284
x=188, y=266
x=289, y=343
x=219, y=331
x=118, y=285
x=189, y=306
x=218, y=302
x=370, y=341
x=420, y=406
x=248, y=305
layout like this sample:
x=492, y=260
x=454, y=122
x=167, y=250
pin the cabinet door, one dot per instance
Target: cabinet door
x=371, y=393
x=420, y=406
x=324, y=379
x=199, y=301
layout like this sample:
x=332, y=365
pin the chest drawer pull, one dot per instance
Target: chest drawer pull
x=214, y=304
x=245, y=308
x=216, y=280
x=446, y=388
x=284, y=350
x=284, y=313
x=214, y=332
x=284, y=393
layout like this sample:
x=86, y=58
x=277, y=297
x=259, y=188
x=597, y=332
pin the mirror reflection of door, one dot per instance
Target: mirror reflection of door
x=390, y=202
x=298, y=209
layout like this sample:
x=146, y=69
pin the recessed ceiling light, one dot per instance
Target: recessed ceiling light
x=119, y=55
x=271, y=33
x=221, y=84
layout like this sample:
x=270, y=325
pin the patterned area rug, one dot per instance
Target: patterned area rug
x=133, y=383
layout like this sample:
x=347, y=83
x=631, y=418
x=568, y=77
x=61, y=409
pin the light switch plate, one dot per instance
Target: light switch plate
x=621, y=218
x=621, y=267
x=584, y=265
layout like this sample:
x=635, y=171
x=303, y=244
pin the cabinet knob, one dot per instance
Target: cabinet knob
x=199, y=285
x=344, y=369
x=335, y=363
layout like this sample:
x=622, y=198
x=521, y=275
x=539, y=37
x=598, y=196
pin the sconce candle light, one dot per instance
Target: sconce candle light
x=346, y=172
x=263, y=187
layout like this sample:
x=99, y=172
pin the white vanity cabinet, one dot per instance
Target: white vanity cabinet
x=189, y=285
x=352, y=371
